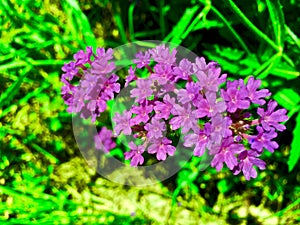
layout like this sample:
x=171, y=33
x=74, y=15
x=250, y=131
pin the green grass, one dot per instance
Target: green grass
x=45, y=180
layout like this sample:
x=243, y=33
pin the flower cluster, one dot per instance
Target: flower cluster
x=96, y=84
x=230, y=119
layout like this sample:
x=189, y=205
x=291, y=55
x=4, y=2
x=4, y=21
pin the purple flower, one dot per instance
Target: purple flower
x=200, y=139
x=104, y=56
x=235, y=96
x=226, y=153
x=103, y=140
x=162, y=73
x=162, y=148
x=183, y=71
x=155, y=129
x=141, y=112
x=200, y=65
x=131, y=76
x=92, y=85
x=79, y=100
x=135, y=154
x=161, y=54
x=110, y=87
x=100, y=66
x=163, y=109
x=185, y=118
x=254, y=95
x=142, y=59
x=210, y=79
x=191, y=93
x=70, y=70
x=271, y=118
x=209, y=107
x=220, y=128
x=263, y=140
x=123, y=123
x=248, y=159
x=82, y=58
x=143, y=89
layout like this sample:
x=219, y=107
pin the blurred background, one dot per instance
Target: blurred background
x=43, y=177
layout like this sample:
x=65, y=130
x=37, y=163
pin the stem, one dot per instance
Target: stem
x=235, y=34
x=252, y=27
x=267, y=63
x=149, y=68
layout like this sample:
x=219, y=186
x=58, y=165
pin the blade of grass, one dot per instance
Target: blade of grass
x=32, y=62
x=232, y=30
x=295, y=151
x=162, y=18
x=277, y=20
x=293, y=36
x=252, y=27
x=287, y=74
x=287, y=98
x=175, y=35
x=119, y=22
x=24, y=99
x=10, y=92
x=268, y=64
x=83, y=23
x=130, y=22
x=202, y=15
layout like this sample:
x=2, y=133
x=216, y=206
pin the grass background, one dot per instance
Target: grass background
x=43, y=177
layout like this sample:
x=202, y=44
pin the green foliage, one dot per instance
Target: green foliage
x=42, y=178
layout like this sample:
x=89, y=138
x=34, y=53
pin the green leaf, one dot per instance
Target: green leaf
x=295, y=149
x=223, y=186
x=55, y=124
x=287, y=98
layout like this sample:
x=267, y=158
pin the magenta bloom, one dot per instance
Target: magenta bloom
x=183, y=71
x=82, y=58
x=135, y=154
x=220, y=128
x=163, y=73
x=208, y=77
x=161, y=54
x=163, y=109
x=104, y=56
x=143, y=89
x=200, y=139
x=248, y=159
x=254, y=95
x=209, y=107
x=200, y=65
x=70, y=70
x=226, y=153
x=235, y=96
x=162, y=148
x=190, y=94
x=131, y=76
x=155, y=129
x=142, y=59
x=103, y=140
x=271, y=118
x=123, y=123
x=263, y=140
x=185, y=118
x=110, y=87
x=102, y=67
x=141, y=112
